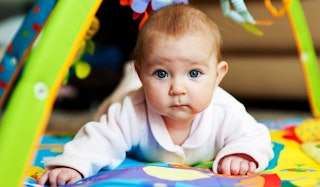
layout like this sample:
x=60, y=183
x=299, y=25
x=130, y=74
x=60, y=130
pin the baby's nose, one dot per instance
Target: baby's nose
x=177, y=88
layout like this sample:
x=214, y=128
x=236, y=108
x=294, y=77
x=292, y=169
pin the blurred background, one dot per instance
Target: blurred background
x=265, y=72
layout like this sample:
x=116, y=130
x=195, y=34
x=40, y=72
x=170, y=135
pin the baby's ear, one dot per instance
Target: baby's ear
x=137, y=67
x=222, y=69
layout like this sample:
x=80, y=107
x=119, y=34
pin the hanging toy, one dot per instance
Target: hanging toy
x=142, y=8
x=81, y=68
x=241, y=15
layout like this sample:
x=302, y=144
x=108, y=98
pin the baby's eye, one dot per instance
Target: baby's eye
x=194, y=73
x=161, y=74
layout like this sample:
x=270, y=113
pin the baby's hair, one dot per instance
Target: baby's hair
x=175, y=21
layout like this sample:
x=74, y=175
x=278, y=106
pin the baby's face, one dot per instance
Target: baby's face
x=179, y=75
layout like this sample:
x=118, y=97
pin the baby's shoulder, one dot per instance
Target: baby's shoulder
x=132, y=107
x=135, y=97
x=133, y=103
x=221, y=98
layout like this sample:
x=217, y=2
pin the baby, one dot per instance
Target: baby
x=180, y=114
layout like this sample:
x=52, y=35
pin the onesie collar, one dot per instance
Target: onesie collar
x=200, y=131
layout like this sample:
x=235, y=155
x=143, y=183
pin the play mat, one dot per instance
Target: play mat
x=293, y=165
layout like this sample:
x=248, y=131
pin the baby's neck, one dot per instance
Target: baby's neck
x=178, y=130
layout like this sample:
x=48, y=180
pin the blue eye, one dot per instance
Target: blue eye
x=161, y=74
x=194, y=73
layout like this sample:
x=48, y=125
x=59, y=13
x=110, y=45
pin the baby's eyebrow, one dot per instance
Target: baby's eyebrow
x=189, y=60
x=199, y=62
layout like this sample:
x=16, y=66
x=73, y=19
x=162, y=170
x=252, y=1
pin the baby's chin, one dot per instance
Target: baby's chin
x=178, y=116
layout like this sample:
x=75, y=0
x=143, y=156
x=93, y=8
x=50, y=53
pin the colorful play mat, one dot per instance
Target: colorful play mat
x=291, y=166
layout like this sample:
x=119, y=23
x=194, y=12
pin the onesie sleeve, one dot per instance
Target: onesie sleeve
x=241, y=133
x=101, y=144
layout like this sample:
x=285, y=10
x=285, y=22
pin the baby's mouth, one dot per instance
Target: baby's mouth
x=179, y=105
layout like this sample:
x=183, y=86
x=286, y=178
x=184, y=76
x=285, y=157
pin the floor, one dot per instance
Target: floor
x=68, y=121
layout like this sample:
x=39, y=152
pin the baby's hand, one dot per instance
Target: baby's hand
x=237, y=164
x=59, y=176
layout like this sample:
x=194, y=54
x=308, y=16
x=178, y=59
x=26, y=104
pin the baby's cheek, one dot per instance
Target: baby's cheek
x=156, y=101
x=201, y=101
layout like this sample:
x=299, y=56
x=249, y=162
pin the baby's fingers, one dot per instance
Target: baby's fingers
x=224, y=166
x=43, y=179
x=247, y=167
x=63, y=176
x=252, y=168
x=236, y=166
x=74, y=179
x=243, y=167
x=53, y=178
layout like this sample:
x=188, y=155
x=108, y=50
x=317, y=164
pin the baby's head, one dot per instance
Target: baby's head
x=177, y=58
x=176, y=21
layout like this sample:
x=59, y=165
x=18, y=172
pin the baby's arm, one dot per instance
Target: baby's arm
x=60, y=176
x=237, y=164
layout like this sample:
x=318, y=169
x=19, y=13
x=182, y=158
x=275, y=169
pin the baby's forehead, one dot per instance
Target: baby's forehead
x=191, y=47
x=206, y=35
x=206, y=38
